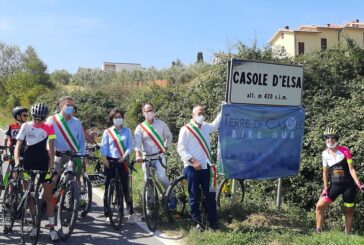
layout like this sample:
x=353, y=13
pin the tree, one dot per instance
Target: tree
x=61, y=77
x=199, y=57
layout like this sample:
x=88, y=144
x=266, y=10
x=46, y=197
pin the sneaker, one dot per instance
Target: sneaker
x=172, y=204
x=199, y=228
x=318, y=230
x=107, y=220
x=53, y=235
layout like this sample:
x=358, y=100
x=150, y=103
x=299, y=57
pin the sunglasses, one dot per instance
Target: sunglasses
x=24, y=115
x=38, y=118
x=330, y=137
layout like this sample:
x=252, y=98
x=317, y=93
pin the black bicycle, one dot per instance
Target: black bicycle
x=23, y=205
x=67, y=192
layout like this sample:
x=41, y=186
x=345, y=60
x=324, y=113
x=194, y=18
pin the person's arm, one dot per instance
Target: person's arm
x=353, y=174
x=215, y=124
x=182, y=149
x=17, y=152
x=167, y=135
x=6, y=139
x=138, y=144
x=325, y=177
x=81, y=139
x=105, y=148
x=129, y=144
x=51, y=153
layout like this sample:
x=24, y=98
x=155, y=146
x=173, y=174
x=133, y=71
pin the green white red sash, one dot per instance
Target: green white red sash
x=153, y=135
x=195, y=131
x=115, y=136
x=62, y=125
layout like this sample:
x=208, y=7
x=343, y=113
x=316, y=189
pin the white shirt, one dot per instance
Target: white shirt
x=145, y=144
x=188, y=146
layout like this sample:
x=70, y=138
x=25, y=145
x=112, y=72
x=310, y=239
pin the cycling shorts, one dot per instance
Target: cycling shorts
x=347, y=189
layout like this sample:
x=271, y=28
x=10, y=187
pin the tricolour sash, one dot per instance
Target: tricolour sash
x=66, y=132
x=195, y=131
x=153, y=135
x=115, y=136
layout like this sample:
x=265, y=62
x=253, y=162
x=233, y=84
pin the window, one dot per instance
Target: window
x=323, y=43
x=301, y=48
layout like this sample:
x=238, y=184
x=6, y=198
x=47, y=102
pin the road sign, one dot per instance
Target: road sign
x=262, y=83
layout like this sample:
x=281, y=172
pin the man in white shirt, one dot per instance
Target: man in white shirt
x=194, y=149
x=151, y=138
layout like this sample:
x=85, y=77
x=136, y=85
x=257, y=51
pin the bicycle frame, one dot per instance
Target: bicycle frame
x=150, y=169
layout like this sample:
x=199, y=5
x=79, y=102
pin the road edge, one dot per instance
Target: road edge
x=157, y=234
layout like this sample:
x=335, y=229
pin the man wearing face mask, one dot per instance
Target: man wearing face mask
x=337, y=161
x=194, y=149
x=69, y=131
x=116, y=146
x=151, y=138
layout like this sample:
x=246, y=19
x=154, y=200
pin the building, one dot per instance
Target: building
x=112, y=66
x=314, y=38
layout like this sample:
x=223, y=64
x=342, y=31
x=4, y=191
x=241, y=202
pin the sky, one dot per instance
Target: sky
x=68, y=34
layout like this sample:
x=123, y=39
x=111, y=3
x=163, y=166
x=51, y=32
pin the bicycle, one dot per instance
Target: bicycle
x=230, y=192
x=151, y=190
x=24, y=205
x=67, y=196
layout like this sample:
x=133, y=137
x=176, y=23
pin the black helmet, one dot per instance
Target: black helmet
x=18, y=110
x=39, y=110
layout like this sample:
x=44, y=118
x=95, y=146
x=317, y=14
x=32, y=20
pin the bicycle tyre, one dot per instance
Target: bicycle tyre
x=179, y=187
x=30, y=221
x=85, y=195
x=115, y=204
x=151, y=205
x=224, y=193
x=9, y=204
x=67, y=210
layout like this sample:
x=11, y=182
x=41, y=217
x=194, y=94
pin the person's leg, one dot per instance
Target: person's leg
x=210, y=197
x=124, y=176
x=161, y=173
x=47, y=195
x=194, y=192
x=320, y=213
x=349, y=204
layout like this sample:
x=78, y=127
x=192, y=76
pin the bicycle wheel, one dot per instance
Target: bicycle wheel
x=9, y=204
x=151, y=205
x=85, y=195
x=179, y=188
x=30, y=222
x=115, y=204
x=226, y=196
x=67, y=210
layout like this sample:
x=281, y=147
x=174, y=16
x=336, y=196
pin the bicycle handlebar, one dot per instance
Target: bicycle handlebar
x=3, y=147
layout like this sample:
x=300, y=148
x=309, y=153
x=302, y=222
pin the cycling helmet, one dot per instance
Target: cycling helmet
x=18, y=110
x=331, y=132
x=39, y=111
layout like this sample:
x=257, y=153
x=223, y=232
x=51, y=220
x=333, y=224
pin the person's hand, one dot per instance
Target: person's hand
x=106, y=163
x=196, y=165
x=361, y=187
x=324, y=192
x=139, y=159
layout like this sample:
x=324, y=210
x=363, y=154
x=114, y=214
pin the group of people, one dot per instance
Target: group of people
x=39, y=143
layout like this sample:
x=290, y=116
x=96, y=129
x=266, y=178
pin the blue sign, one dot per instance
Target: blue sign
x=260, y=142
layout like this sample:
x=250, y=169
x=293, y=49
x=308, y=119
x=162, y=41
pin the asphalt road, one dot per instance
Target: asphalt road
x=93, y=230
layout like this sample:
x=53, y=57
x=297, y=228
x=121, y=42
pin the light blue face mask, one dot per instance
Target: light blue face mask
x=68, y=110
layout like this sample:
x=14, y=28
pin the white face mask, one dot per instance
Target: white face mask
x=331, y=146
x=149, y=115
x=118, y=121
x=199, y=119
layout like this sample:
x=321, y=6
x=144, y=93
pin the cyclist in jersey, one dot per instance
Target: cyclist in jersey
x=339, y=169
x=37, y=156
x=20, y=114
x=116, y=146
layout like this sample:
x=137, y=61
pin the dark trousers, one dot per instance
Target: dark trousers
x=196, y=179
x=124, y=177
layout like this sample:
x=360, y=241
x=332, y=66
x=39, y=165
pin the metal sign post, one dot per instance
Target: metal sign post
x=279, y=194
